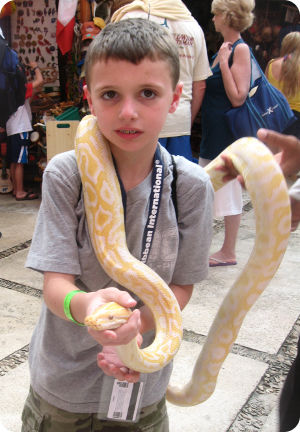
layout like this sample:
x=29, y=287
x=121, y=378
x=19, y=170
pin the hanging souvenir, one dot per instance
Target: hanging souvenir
x=8, y=9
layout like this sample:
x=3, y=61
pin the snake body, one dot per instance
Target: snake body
x=103, y=204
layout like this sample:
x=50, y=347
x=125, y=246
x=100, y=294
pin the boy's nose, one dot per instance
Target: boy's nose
x=128, y=109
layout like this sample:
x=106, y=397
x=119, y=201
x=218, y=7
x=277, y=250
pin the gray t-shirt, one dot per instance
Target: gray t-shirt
x=63, y=355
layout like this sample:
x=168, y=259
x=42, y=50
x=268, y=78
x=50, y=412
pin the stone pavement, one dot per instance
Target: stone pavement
x=246, y=396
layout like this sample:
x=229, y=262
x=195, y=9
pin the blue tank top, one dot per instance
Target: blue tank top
x=216, y=135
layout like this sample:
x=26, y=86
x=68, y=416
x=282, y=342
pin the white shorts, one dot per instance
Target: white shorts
x=229, y=199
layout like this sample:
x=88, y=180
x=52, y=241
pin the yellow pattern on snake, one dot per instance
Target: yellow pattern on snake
x=103, y=203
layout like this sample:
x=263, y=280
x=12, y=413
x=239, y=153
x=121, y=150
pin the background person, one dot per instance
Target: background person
x=228, y=87
x=284, y=74
x=175, y=135
x=18, y=127
x=288, y=158
x=289, y=161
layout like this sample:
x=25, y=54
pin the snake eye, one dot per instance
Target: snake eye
x=110, y=317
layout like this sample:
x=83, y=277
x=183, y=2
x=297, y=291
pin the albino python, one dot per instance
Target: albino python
x=103, y=203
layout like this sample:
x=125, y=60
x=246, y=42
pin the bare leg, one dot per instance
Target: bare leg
x=12, y=176
x=17, y=174
x=17, y=178
x=227, y=251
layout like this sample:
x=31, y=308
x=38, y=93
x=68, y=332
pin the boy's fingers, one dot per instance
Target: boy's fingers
x=121, y=373
x=121, y=297
x=129, y=330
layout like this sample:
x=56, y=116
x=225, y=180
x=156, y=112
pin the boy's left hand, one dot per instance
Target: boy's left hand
x=111, y=365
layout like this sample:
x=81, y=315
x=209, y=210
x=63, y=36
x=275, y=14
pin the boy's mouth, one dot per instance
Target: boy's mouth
x=128, y=131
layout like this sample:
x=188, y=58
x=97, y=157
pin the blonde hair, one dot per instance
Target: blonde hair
x=290, y=69
x=237, y=13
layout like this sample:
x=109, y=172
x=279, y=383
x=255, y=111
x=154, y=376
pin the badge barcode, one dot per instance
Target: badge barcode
x=123, y=384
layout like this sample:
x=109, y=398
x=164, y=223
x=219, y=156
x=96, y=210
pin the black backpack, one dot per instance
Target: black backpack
x=12, y=82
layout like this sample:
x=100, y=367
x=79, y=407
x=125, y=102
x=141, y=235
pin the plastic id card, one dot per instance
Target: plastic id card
x=124, y=401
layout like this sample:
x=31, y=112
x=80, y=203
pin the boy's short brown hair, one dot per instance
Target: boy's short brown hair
x=133, y=40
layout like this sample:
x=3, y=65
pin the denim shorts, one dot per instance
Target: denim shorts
x=39, y=416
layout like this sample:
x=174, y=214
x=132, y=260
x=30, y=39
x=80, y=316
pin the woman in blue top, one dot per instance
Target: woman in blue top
x=226, y=88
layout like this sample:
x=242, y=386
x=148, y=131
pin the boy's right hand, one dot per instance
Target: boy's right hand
x=120, y=336
x=127, y=331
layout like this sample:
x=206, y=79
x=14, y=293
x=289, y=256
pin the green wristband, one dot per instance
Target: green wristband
x=67, y=302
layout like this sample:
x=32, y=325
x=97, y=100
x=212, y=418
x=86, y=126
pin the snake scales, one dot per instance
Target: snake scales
x=103, y=203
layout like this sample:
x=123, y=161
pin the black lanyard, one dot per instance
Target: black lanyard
x=154, y=203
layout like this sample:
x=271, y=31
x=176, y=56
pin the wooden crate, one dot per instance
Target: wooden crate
x=60, y=136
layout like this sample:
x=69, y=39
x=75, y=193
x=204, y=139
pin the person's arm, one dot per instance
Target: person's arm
x=267, y=69
x=294, y=194
x=198, y=91
x=38, y=80
x=288, y=158
x=236, y=79
x=58, y=285
x=288, y=148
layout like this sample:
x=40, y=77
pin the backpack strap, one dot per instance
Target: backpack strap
x=173, y=187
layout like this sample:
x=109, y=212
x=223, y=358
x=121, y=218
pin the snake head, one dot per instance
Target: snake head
x=107, y=317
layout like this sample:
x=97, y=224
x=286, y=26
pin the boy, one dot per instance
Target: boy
x=132, y=71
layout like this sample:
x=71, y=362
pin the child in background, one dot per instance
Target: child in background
x=132, y=72
x=18, y=127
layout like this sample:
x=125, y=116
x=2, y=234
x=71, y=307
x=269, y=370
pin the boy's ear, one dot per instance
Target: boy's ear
x=176, y=97
x=88, y=97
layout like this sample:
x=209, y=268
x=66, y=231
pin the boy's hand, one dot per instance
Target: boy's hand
x=126, y=332
x=111, y=365
x=120, y=336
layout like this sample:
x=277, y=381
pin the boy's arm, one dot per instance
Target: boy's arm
x=58, y=285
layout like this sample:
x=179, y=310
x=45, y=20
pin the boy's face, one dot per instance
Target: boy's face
x=131, y=102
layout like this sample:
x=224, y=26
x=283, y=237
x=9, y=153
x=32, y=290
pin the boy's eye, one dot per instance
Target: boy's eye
x=148, y=94
x=109, y=94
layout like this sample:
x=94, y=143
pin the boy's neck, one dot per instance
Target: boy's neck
x=133, y=169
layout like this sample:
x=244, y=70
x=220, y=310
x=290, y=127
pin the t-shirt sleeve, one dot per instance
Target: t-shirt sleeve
x=195, y=198
x=54, y=247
